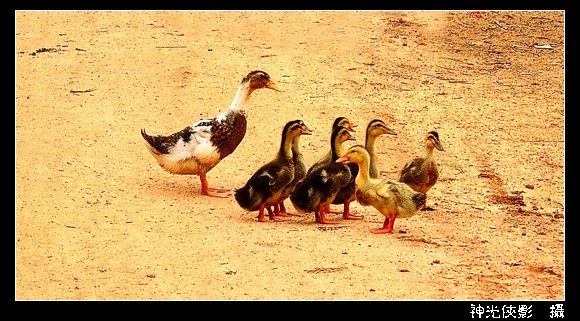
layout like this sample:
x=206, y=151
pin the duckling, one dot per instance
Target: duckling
x=346, y=195
x=319, y=187
x=339, y=121
x=375, y=128
x=263, y=189
x=391, y=198
x=299, y=174
x=196, y=149
x=423, y=172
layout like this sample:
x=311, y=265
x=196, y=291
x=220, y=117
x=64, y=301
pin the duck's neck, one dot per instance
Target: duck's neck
x=296, y=147
x=429, y=152
x=285, y=151
x=363, y=175
x=370, y=142
x=370, y=147
x=242, y=97
x=336, y=151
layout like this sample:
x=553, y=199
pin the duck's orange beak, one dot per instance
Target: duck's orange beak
x=342, y=159
x=273, y=86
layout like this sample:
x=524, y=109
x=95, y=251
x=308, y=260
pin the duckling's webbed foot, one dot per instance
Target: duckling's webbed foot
x=278, y=210
x=271, y=214
x=321, y=217
x=347, y=215
x=282, y=209
x=387, y=226
x=427, y=208
x=261, y=213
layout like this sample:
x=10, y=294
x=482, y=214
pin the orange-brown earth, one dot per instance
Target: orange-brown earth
x=97, y=218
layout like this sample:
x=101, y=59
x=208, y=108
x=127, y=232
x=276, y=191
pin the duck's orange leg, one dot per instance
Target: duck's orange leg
x=387, y=225
x=282, y=209
x=321, y=217
x=347, y=215
x=271, y=215
x=214, y=192
x=261, y=213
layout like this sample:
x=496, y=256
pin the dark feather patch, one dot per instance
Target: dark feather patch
x=164, y=143
x=435, y=134
x=318, y=189
x=227, y=135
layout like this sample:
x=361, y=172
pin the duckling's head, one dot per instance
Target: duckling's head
x=296, y=128
x=356, y=154
x=344, y=122
x=341, y=134
x=259, y=79
x=432, y=141
x=378, y=127
x=304, y=130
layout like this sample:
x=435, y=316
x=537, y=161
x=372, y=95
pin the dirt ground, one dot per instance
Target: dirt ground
x=98, y=219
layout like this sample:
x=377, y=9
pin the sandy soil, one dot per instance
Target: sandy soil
x=97, y=218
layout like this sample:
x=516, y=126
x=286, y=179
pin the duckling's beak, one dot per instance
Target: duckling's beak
x=306, y=131
x=439, y=146
x=352, y=126
x=272, y=85
x=342, y=159
x=390, y=131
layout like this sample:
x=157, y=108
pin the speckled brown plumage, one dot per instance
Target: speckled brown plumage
x=229, y=134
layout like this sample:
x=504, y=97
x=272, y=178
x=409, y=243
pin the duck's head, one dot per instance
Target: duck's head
x=296, y=128
x=344, y=122
x=341, y=134
x=304, y=130
x=432, y=141
x=259, y=79
x=378, y=127
x=356, y=154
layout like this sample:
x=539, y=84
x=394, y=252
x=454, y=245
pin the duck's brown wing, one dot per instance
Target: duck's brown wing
x=411, y=173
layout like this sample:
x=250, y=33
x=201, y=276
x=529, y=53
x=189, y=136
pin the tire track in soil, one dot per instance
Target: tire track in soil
x=479, y=265
x=499, y=195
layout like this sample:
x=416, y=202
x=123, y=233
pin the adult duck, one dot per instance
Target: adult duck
x=196, y=149
x=391, y=198
x=263, y=189
x=422, y=173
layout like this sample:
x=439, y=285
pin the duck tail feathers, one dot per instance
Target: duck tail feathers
x=150, y=142
x=145, y=136
x=419, y=199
